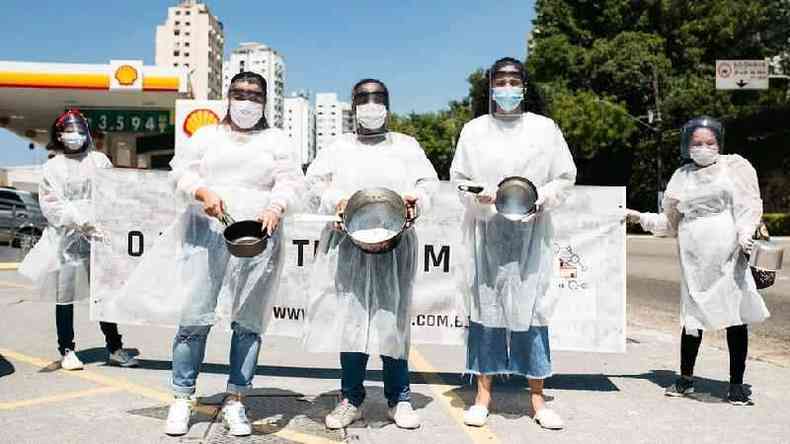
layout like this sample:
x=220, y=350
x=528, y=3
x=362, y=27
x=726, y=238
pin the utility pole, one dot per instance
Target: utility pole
x=659, y=132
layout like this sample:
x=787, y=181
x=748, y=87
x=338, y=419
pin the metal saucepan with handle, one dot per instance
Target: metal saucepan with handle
x=246, y=238
x=516, y=197
x=766, y=256
x=375, y=219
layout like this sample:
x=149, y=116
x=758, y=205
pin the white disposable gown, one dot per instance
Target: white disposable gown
x=509, y=265
x=249, y=172
x=707, y=209
x=358, y=301
x=59, y=264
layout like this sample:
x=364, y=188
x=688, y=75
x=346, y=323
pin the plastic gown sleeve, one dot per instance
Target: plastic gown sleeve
x=747, y=204
x=322, y=195
x=55, y=208
x=665, y=224
x=288, y=180
x=186, y=166
x=562, y=174
x=460, y=173
x=426, y=183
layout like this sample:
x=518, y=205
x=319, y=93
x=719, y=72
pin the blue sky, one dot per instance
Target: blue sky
x=422, y=50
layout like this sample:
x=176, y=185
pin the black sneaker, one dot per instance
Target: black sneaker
x=682, y=387
x=738, y=395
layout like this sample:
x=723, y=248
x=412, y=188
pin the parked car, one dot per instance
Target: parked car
x=20, y=217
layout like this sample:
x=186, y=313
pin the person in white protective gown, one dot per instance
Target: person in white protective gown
x=243, y=168
x=360, y=302
x=712, y=206
x=59, y=264
x=509, y=265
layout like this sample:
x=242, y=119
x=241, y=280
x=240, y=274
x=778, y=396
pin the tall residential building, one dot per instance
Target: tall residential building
x=261, y=59
x=300, y=126
x=192, y=38
x=333, y=118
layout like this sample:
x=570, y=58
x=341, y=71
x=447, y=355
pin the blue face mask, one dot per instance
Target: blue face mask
x=508, y=97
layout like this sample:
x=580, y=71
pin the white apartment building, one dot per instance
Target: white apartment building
x=261, y=59
x=192, y=38
x=333, y=118
x=299, y=124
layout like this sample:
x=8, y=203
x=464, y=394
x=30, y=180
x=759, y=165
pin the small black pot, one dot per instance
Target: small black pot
x=245, y=238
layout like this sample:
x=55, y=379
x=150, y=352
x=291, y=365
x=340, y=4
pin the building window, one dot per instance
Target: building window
x=186, y=33
x=186, y=65
x=186, y=43
x=176, y=32
x=177, y=23
x=178, y=12
x=176, y=53
x=186, y=54
x=188, y=12
x=175, y=64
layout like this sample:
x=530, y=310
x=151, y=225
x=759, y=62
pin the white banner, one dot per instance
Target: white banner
x=134, y=207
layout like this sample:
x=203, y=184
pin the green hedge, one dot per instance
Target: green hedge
x=778, y=223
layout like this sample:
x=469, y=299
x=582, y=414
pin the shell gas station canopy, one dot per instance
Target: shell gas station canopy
x=126, y=103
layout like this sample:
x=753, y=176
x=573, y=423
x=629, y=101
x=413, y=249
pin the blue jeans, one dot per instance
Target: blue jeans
x=396, y=378
x=189, y=348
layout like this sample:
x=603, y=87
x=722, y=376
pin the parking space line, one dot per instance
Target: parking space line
x=446, y=397
x=120, y=384
x=57, y=398
x=292, y=435
x=9, y=265
x=6, y=284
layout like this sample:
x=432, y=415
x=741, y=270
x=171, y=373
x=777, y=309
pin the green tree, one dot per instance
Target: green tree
x=646, y=56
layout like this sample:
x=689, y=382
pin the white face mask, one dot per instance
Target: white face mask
x=73, y=141
x=371, y=116
x=245, y=113
x=704, y=155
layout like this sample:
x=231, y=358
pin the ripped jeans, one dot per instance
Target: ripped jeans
x=189, y=348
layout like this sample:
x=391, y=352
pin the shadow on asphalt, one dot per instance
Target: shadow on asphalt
x=584, y=382
x=705, y=389
x=6, y=368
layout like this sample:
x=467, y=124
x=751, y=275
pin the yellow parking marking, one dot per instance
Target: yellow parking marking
x=118, y=384
x=9, y=265
x=6, y=284
x=58, y=398
x=446, y=397
x=291, y=435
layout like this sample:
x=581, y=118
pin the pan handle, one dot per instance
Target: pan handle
x=412, y=213
x=474, y=189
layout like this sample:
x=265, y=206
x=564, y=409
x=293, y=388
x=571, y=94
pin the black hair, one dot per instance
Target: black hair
x=250, y=77
x=376, y=81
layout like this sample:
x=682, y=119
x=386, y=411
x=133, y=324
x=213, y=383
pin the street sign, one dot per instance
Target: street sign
x=741, y=74
x=127, y=120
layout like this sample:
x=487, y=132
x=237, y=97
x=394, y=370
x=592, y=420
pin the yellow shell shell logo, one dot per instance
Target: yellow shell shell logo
x=126, y=75
x=198, y=119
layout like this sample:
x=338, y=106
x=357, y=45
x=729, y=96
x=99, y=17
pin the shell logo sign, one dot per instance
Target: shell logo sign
x=126, y=75
x=199, y=118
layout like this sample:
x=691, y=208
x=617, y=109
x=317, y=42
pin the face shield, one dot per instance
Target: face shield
x=507, y=82
x=370, y=104
x=246, y=101
x=71, y=133
x=690, y=136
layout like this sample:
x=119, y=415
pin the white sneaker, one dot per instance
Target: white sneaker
x=476, y=416
x=121, y=358
x=404, y=415
x=178, y=417
x=548, y=419
x=343, y=415
x=70, y=361
x=234, y=416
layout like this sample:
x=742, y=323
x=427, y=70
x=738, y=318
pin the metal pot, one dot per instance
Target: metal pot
x=377, y=208
x=516, y=197
x=245, y=238
x=766, y=256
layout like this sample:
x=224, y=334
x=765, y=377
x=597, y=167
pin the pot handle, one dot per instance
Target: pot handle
x=412, y=213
